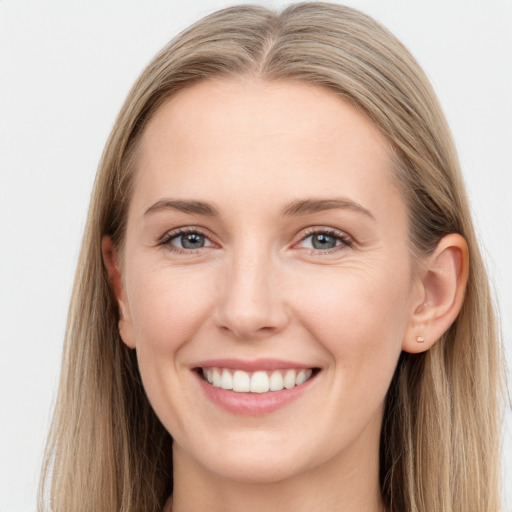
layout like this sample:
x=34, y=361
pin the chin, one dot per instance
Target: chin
x=257, y=470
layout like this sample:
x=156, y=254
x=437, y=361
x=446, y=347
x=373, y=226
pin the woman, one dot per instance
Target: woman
x=280, y=302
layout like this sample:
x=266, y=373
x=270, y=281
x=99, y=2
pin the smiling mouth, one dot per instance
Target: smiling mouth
x=260, y=381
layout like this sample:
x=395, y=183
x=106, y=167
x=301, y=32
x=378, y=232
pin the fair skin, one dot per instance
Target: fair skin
x=295, y=255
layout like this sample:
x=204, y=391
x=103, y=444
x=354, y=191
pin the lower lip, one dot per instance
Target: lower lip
x=253, y=404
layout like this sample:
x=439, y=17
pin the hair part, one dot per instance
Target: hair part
x=439, y=445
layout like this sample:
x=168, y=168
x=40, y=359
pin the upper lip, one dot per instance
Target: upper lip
x=252, y=365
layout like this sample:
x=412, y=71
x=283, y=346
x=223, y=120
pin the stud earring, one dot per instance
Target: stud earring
x=420, y=339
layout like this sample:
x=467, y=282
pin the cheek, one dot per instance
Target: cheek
x=167, y=306
x=359, y=317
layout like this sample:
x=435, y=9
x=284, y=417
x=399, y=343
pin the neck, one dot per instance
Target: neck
x=348, y=482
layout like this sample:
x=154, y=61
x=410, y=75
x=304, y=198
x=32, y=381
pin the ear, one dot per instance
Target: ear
x=111, y=260
x=441, y=287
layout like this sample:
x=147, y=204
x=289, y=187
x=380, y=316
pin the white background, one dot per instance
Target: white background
x=65, y=68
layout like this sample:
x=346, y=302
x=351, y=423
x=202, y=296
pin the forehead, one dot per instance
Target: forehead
x=247, y=138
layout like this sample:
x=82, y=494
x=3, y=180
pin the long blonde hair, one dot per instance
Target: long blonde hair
x=107, y=451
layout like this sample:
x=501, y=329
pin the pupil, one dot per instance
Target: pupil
x=192, y=241
x=323, y=241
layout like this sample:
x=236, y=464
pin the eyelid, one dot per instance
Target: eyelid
x=184, y=230
x=345, y=239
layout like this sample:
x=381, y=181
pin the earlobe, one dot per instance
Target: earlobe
x=111, y=260
x=442, y=288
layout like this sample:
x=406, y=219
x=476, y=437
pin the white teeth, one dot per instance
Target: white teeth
x=289, y=379
x=276, y=381
x=260, y=382
x=216, y=378
x=257, y=382
x=301, y=377
x=241, y=382
x=227, y=380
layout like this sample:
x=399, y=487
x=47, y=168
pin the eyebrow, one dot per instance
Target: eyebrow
x=309, y=206
x=295, y=208
x=197, y=207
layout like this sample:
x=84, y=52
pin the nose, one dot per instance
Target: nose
x=251, y=302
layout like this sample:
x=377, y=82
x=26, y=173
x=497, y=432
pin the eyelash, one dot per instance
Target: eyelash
x=343, y=238
x=169, y=237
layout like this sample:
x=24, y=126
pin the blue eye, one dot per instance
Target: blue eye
x=189, y=241
x=186, y=240
x=325, y=240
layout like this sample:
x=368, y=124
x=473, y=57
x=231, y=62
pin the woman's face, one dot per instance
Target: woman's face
x=266, y=244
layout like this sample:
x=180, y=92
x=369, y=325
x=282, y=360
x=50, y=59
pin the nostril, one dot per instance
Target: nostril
x=246, y=330
x=266, y=330
x=247, y=310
